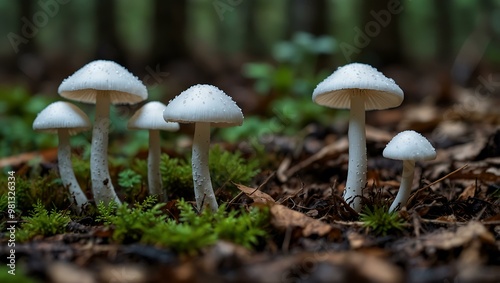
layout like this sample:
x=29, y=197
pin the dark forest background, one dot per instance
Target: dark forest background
x=257, y=51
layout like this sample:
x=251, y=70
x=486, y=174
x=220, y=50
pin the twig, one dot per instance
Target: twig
x=434, y=221
x=257, y=189
x=435, y=182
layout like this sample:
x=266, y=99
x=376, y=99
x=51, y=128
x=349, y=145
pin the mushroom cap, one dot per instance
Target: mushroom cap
x=150, y=117
x=358, y=79
x=204, y=103
x=61, y=115
x=103, y=77
x=409, y=145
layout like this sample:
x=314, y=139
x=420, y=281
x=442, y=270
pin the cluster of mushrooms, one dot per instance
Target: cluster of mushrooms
x=356, y=86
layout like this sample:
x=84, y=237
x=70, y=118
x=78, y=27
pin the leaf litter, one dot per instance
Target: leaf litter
x=451, y=231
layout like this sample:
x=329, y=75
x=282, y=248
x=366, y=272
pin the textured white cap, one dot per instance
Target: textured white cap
x=358, y=79
x=150, y=117
x=62, y=115
x=203, y=103
x=113, y=79
x=409, y=145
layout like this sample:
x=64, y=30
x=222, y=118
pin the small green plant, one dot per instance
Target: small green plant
x=230, y=167
x=130, y=181
x=129, y=223
x=46, y=189
x=176, y=174
x=146, y=223
x=225, y=167
x=380, y=221
x=194, y=231
x=296, y=71
x=42, y=222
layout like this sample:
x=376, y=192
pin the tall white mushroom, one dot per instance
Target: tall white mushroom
x=150, y=117
x=408, y=146
x=65, y=119
x=358, y=87
x=204, y=105
x=103, y=83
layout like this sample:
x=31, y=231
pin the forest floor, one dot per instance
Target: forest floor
x=451, y=229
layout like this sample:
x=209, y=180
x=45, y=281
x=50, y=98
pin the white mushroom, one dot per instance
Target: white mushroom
x=358, y=87
x=408, y=146
x=65, y=119
x=204, y=105
x=150, y=117
x=103, y=83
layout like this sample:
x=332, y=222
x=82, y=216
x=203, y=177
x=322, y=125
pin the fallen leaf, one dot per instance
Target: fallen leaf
x=468, y=192
x=446, y=240
x=60, y=272
x=284, y=218
x=324, y=266
x=44, y=155
x=256, y=195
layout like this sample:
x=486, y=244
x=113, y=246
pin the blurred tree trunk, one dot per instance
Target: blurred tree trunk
x=445, y=40
x=169, y=41
x=382, y=28
x=308, y=16
x=108, y=44
x=26, y=11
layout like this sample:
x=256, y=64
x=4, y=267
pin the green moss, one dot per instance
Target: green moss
x=43, y=223
x=146, y=223
x=380, y=221
x=46, y=189
x=225, y=167
x=130, y=181
x=129, y=223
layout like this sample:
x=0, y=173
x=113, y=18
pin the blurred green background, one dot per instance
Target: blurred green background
x=267, y=55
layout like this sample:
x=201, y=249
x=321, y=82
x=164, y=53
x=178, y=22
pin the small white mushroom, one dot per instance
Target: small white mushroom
x=408, y=146
x=65, y=119
x=150, y=117
x=358, y=87
x=102, y=83
x=204, y=105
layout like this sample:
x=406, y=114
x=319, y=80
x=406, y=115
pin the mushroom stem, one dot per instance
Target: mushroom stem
x=203, y=191
x=102, y=188
x=405, y=187
x=154, y=176
x=66, y=170
x=356, y=174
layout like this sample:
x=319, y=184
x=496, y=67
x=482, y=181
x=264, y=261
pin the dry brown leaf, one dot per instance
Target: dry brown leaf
x=60, y=272
x=377, y=135
x=447, y=218
x=420, y=118
x=468, y=192
x=284, y=218
x=446, y=240
x=357, y=240
x=478, y=174
x=324, y=266
x=45, y=156
x=256, y=195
